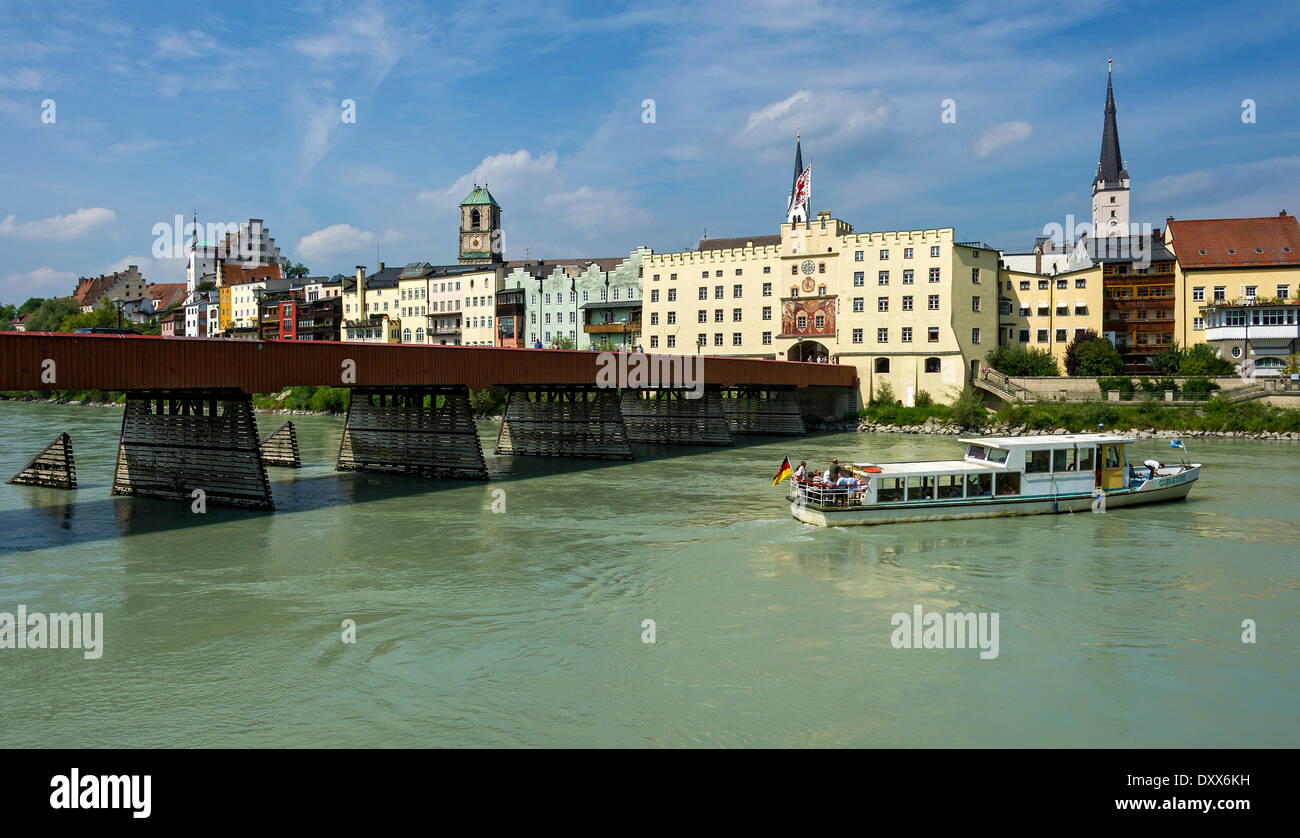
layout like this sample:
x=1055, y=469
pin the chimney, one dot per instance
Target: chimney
x=381, y=266
x=361, y=290
x=1038, y=260
x=1282, y=214
x=219, y=263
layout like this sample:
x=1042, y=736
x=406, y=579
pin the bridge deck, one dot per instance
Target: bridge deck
x=121, y=362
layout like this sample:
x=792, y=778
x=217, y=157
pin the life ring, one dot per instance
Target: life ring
x=871, y=469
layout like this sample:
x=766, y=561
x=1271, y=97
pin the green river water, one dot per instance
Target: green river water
x=524, y=627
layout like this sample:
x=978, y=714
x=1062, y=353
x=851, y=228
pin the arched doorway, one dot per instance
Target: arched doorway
x=808, y=350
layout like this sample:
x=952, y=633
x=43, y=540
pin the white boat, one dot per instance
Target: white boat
x=1022, y=475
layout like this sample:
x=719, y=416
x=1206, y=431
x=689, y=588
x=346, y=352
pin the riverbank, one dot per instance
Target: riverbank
x=936, y=427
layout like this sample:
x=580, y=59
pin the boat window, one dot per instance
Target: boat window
x=1063, y=459
x=920, y=488
x=889, y=489
x=949, y=486
x=1085, y=459
x=1037, y=461
x=997, y=455
x=1009, y=483
x=986, y=485
x=975, y=452
x=1112, y=456
x=973, y=485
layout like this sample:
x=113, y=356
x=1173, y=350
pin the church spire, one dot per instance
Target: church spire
x=799, y=203
x=1111, y=168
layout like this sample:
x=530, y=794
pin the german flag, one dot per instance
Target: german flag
x=783, y=472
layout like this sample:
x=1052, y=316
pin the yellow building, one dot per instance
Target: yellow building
x=1046, y=312
x=915, y=309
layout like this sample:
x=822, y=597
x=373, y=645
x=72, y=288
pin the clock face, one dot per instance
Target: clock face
x=474, y=242
x=808, y=266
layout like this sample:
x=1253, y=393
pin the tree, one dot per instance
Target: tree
x=1203, y=359
x=1072, y=351
x=104, y=316
x=298, y=270
x=968, y=411
x=1168, y=362
x=565, y=343
x=48, y=316
x=1019, y=360
x=206, y=285
x=884, y=393
x=1098, y=357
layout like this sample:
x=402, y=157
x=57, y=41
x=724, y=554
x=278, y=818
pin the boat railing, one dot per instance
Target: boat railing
x=809, y=493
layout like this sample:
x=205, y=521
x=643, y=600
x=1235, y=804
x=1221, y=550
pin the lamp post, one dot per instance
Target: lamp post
x=118, y=303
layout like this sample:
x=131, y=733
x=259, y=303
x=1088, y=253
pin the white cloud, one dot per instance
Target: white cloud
x=604, y=209
x=516, y=172
x=42, y=282
x=1001, y=135
x=189, y=44
x=20, y=80
x=835, y=118
x=70, y=226
x=339, y=240
x=365, y=174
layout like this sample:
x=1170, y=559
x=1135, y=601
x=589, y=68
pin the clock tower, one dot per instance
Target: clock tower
x=480, y=229
x=1110, y=187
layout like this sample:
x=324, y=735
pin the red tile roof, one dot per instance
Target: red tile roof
x=167, y=293
x=236, y=275
x=1254, y=242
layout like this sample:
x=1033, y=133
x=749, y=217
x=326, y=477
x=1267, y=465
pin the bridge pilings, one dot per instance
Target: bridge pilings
x=425, y=431
x=672, y=417
x=818, y=403
x=762, y=410
x=53, y=468
x=280, y=448
x=177, y=441
x=564, y=421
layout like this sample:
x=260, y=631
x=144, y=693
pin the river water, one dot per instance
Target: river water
x=524, y=627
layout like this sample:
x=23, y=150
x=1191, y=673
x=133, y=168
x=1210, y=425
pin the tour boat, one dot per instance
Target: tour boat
x=1022, y=475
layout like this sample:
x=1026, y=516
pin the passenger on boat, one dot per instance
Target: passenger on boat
x=801, y=473
x=1154, y=466
x=834, y=472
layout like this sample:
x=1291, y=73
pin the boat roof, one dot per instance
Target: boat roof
x=1048, y=440
x=931, y=467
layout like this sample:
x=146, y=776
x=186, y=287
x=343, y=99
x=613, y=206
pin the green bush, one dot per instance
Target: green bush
x=923, y=399
x=487, y=402
x=1021, y=361
x=968, y=411
x=1124, y=385
x=1098, y=357
x=884, y=394
x=1199, y=386
x=1203, y=359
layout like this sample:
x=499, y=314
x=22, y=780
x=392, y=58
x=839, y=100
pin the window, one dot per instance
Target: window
x=735, y=290
x=767, y=289
x=906, y=335
x=974, y=303
x=931, y=364
x=907, y=304
x=857, y=256
x=735, y=338
x=767, y=338
x=1044, y=310
x=858, y=279
x=702, y=340
x=672, y=295
x=654, y=341
x=717, y=338
x=1283, y=292
x=717, y=315
x=794, y=270
x=704, y=316
x=1081, y=283
x=975, y=275
x=704, y=275
x=1062, y=284
x=1043, y=284
x=1062, y=309
x=932, y=334
x=907, y=253
x=1220, y=293
x=717, y=273
x=1038, y=462
x=934, y=302
x=655, y=277
x=882, y=304
x=821, y=267
x=767, y=269
x=802, y=322
x=1060, y=336
x=704, y=293
x=1250, y=291
x=974, y=335
x=672, y=317
x=820, y=320
x=1198, y=323
x=654, y=318
x=718, y=292
x=883, y=278
x=1042, y=336
x=672, y=341
x=1024, y=336
x=857, y=336
x=654, y=295
x=882, y=335
x=1080, y=308
x=884, y=253
x=857, y=304
x=1024, y=285
x=1236, y=351
x=934, y=251
x=735, y=315
x=934, y=274
x=909, y=276
x=882, y=365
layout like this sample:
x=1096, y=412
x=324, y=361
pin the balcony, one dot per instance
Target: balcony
x=1254, y=333
x=611, y=328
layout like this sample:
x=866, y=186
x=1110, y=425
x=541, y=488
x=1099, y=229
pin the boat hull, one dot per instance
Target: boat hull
x=1156, y=490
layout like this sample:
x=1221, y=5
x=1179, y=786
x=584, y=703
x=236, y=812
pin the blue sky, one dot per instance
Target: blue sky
x=234, y=110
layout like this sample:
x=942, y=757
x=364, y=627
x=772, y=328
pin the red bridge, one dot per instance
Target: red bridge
x=189, y=423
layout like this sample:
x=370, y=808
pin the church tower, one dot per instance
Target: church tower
x=480, y=229
x=1110, y=188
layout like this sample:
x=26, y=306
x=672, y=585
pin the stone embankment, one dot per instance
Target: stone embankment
x=939, y=428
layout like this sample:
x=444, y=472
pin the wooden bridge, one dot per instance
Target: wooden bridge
x=189, y=423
